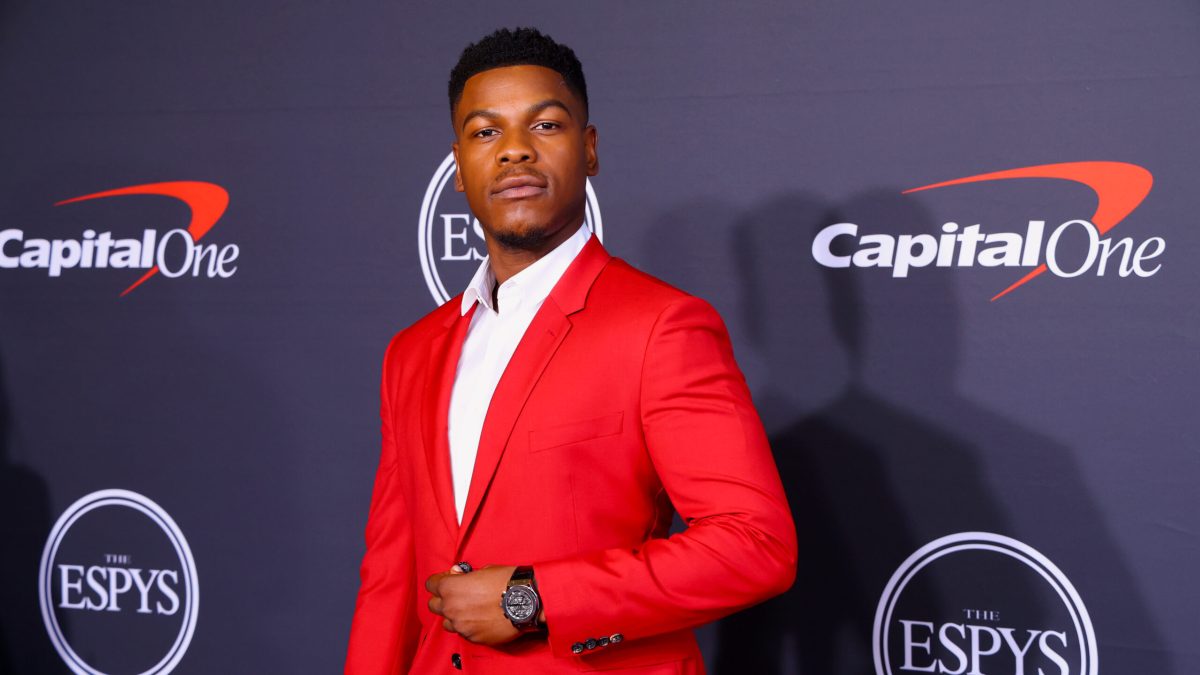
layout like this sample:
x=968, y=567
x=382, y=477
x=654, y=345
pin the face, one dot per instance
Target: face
x=524, y=152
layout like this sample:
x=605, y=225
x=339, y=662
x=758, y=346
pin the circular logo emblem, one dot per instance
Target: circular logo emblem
x=978, y=602
x=450, y=239
x=118, y=586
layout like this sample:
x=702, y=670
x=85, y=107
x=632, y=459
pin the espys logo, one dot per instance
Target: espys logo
x=118, y=586
x=1119, y=189
x=450, y=239
x=175, y=254
x=976, y=602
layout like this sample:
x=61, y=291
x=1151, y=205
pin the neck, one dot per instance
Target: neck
x=507, y=262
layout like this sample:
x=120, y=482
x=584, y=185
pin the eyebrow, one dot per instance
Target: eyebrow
x=531, y=110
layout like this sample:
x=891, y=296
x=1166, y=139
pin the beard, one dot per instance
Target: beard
x=531, y=239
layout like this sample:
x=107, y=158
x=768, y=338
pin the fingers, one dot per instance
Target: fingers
x=437, y=607
x=432, y=583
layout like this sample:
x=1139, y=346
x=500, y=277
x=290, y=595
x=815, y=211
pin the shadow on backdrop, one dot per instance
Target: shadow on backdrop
x=25, y=648
x=869, y=478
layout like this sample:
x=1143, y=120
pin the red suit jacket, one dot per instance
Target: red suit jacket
x=621, y=401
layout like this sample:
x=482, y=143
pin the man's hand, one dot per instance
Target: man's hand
x=469, y=604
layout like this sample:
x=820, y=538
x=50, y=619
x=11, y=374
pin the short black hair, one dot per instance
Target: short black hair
x=517, y=47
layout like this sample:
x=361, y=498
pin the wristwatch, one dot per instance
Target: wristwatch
x=520, y=601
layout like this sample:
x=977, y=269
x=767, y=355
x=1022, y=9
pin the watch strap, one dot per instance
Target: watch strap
x=523, y=573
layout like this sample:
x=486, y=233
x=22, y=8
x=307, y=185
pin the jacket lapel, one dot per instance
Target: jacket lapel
x=541, y=340
x=444, y=351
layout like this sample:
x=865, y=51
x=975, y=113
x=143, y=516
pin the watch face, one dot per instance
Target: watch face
x=520, y=604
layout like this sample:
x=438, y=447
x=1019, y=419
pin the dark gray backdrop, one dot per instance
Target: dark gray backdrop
x=900, y=410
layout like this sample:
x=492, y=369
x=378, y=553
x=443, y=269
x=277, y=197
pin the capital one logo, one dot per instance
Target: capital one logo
x=1072, y=248
x=977, y=603
x=175, y=253
x=450, y=239
x=118, y=586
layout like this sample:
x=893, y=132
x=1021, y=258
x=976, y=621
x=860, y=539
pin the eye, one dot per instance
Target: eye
x=547, y=126
x=485, y=133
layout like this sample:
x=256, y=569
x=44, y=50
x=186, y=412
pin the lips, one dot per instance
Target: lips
x=519, y=186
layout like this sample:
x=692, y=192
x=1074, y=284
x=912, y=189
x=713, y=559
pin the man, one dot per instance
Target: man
x=539, y=428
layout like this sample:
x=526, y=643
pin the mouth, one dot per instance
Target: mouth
x=519, y=187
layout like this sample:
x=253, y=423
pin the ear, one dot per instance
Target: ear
x=589, y=149
x=458, y=184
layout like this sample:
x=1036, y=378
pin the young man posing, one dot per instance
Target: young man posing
x=540, y=428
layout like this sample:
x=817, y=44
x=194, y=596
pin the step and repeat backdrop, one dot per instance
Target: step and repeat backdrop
x=956, y=246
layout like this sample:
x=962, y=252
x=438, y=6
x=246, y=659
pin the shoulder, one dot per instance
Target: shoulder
x=414, y=340
x=624, y=289
x=638, y=290
x=634, y=308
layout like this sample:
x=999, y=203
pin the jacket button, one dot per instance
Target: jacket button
x=616, y=637
x=456, y=660
x=590, y=644
x=577, y=648
x=603, y=642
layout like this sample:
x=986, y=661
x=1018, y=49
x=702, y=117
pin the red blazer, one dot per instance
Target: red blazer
x=622, y=400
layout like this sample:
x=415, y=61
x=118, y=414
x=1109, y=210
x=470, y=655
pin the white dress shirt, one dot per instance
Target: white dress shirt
x=491, y=340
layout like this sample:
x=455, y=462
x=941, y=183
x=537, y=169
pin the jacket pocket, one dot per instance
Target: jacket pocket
x=574, y=432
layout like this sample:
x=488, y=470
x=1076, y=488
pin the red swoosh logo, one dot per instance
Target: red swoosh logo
x=207, y=202
x=1120, y=187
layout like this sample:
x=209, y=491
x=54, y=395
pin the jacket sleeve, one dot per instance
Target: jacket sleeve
x=712, y=456
x=383, y=636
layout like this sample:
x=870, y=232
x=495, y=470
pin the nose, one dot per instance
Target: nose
x=515, y=148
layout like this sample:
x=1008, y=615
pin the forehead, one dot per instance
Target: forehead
x=514, y=87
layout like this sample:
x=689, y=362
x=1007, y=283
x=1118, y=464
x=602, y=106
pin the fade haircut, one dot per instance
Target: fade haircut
x=517, y=47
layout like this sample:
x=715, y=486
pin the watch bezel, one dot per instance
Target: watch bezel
x=522, y=583
x=533, y=607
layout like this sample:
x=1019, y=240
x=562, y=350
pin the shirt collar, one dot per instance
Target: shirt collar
x=533, y=283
